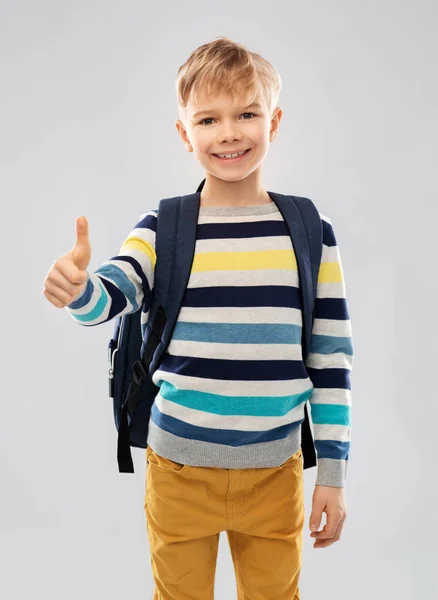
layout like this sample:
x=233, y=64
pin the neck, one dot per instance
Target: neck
x=245, y=192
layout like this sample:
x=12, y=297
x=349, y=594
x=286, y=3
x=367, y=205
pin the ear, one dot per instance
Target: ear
x=275, y=123
x=183, y=133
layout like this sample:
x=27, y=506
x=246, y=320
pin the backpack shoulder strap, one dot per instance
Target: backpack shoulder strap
x=305, y=227
x=175, y=247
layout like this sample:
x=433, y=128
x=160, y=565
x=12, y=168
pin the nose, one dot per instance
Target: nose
x=229, y=132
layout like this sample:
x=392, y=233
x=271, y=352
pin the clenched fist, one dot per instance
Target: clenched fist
x=68, y=275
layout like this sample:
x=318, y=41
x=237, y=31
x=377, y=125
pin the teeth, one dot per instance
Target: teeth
x=231, y=155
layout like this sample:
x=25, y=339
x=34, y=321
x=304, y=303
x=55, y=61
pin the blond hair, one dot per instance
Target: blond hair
x=226, y=66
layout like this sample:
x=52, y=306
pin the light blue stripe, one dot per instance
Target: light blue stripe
x=331, y=414
x=261, y=406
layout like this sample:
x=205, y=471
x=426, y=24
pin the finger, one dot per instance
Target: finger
x=59, y=293
x=70, y=271
x=82, y=231
x=54, y=299
x=323, y=543
x=315, y=520
x=330, y=528
x=57, y=279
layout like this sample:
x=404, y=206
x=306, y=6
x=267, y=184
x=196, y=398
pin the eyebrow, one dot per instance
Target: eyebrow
x=207, y=111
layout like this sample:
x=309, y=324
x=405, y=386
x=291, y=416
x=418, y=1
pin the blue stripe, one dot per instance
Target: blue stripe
x=329, y=344
x=238, y=333
x=84, y=299
x=332, y=449
x=228, y=437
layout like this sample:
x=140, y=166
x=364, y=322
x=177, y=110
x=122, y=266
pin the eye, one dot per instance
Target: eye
x=210, y=118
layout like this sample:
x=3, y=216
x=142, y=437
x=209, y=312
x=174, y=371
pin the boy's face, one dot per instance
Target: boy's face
x=221, y=125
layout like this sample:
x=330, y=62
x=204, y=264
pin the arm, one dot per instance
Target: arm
x=329, y=364
x=120, y=285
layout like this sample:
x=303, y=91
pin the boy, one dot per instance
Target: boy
x=224, y=434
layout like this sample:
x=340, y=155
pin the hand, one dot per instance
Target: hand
x=330, y=500
x=68, y=275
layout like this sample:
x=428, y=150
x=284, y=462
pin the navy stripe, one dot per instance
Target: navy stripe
x=119, y=301
x=330, y=378
x=209, y=231
x=331, y=308
x=235, y=296
x=148, y=222
x=234, y=370
x=328, y=235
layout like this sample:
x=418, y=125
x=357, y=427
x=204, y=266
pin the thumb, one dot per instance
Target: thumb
x=81, y=252
x=315, y=520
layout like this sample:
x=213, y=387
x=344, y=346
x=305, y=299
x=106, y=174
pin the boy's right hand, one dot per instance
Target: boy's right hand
x=68, y=275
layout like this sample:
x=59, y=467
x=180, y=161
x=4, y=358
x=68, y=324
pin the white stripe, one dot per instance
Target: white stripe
x=329, y=254
x=331, y=290
x=253, y=244
x=250, y=278
x=235, y=351
x=336, y=327
x=244, y=314
x=274, y=216
x=341, y=433
x=336, y=360
x=331, y=396
x=144, y=233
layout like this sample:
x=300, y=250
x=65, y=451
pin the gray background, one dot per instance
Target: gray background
x=87, y=120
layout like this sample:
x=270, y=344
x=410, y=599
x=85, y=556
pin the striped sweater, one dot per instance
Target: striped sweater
x=233, y=383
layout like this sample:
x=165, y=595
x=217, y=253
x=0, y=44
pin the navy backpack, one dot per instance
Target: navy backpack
x=133, y=360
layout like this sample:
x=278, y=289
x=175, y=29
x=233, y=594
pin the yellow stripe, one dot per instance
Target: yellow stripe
x=330, y=272
x=244, y=261
x=135, y=243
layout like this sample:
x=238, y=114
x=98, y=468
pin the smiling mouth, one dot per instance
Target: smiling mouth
x=236, y=158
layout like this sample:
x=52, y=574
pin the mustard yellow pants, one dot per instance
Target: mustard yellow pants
x=262, y=511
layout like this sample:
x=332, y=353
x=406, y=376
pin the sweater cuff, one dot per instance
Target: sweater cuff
x=80, y=293
x=331, y=472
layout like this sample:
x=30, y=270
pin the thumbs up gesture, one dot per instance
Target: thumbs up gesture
x=68, y=274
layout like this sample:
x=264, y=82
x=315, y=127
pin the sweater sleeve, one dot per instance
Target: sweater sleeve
x=329, y=364
x=123, y=284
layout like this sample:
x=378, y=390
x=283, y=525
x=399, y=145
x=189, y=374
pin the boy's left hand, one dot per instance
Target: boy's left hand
x=330, y=500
